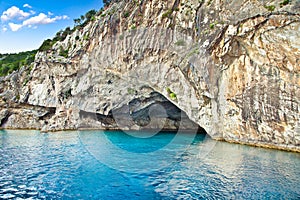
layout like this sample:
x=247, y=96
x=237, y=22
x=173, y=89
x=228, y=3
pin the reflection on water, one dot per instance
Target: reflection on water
x=72, y=165
x=234, y=172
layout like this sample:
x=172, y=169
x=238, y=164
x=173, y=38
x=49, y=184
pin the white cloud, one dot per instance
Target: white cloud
x=15, y=27
x=4, y=29
x=42, y=19
x=14, y=13
x=36, y=20
x=26, y=5
x=39, y=19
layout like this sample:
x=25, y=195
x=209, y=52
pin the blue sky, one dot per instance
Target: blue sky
x=25, y=24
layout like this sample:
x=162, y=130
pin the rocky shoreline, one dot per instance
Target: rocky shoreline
x=290, y=148
x=282, y=147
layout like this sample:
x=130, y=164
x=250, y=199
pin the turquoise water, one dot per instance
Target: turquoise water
x=115, y=165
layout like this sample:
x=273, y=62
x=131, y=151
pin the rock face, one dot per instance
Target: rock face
x=232, y=68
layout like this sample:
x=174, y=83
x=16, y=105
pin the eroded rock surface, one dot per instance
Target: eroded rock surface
x=232, y=67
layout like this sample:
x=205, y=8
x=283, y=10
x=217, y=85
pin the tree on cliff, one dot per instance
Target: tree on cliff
x=90, y=15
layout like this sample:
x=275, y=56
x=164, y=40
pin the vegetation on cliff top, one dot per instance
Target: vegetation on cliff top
x=11, y=62
x=79, y=23
x=14, y=61
x=62, y=34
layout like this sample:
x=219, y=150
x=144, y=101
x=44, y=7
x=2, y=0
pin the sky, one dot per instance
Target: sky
x=25, y=24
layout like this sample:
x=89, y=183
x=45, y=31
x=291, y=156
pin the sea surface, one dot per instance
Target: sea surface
x=141, y=165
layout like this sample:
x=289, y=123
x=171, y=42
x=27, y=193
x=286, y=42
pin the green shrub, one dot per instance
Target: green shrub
x=90, y=15
x=66, y=94
x=193, y=52
x=180, y=43
x=270, y=8
x=131, y=91
x=4, y=70
x=47, y=44
x=284, y=3
x=126, y=15
x=26, y=81
x=167, y=14
x=86, y=37
x=168, y=90
x=173, y=96
x=63, y=53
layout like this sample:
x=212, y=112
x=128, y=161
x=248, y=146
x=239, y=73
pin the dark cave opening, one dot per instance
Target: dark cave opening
x=152, y=113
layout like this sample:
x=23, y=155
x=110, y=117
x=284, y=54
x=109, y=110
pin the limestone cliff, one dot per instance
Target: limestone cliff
x=232, y=67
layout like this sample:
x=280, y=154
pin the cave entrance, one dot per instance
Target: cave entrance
x=151, y=113
x=157, y=112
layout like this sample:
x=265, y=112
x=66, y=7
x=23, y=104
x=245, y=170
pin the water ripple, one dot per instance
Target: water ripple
x=57, y=166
